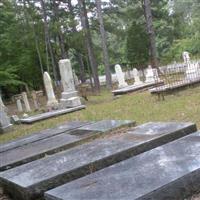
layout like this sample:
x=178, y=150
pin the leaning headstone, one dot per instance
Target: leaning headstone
x=70, y=96
x=136, y=77
x=26, y=102
x=19, y=105
x=120, y=77
x=149, y=75
x=15, y=119
x=5, y=124
x=51, y=99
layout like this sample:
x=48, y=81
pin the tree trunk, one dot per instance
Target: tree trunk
x=77, y=54
x=104, y=45
x=150, y=31
x=48, y=42
x=64, y=53
x=89, y=44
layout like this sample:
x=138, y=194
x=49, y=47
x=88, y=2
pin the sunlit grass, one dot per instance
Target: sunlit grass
x=141, y=107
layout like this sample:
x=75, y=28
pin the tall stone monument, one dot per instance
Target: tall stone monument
x=51, y=99
x=69, y=96
x=26, y=102
x=120, y=77
x=136, y=77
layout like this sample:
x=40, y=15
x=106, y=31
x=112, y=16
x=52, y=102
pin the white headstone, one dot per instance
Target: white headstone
x=51, y=99
x=186, y=57
x=76, y=81
x=19, y=105
x=70, y=96
x=35, y=100
x=26, y=102
x=136, y=77
x=2, y=106
x=5, y=124
x=149, y=75
x=120, y=77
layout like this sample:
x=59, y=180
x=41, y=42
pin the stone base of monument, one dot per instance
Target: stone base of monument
x=70, y=102
x=54, y=113
x=133, y=88
x=29, y=181
x=67, y=95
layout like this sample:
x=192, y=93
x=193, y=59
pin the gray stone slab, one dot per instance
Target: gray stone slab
x=5, y=124
x=171, y=171
x=133, y=88
x=29, y=181
x=47, y=146
x=42, y=135
x=50, y=114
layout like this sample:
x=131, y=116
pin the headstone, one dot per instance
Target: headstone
x=19, y=105
x=15, y=119
x=76, y=81
x=35, y=100
x=26, y=102
x=149, y=75
x=136, y=77
x=186, y=57
x=2, y=106
x=5, y=124
x=51, y=99
x=120, y=77
x=70, y=96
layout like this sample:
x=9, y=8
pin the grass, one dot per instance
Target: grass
x=141, y=107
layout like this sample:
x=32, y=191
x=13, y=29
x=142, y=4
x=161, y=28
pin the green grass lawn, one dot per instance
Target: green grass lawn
x=141, y=107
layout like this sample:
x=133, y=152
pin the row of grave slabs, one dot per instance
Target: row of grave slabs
x=109, y=159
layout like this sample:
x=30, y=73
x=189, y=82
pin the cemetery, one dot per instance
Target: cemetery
x=99, y=100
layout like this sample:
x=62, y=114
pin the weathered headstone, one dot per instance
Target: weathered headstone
x=136, y=77
x=26, y=102
x=5, y=124
x=19, y=105
x=35, y=100
x=2, y=106
x=76, y=81
x=149, y=75
x=15, y=119
x=186, y=57
x=70, y=96
x=51, y=99
x=120, y=77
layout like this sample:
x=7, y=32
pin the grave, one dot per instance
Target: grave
x=47, y=146
x=5, y=124
x=26, y=102
x=50, y=114
x=171, y=171
x=29, y=181
x=134, y=88
x=47, y=133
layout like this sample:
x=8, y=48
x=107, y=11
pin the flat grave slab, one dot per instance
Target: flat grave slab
x=50, y=114
x=47, y=146
x=133, y=88
x=29, y=181
x=171, y=171
x=42, y=135
x=174, y=86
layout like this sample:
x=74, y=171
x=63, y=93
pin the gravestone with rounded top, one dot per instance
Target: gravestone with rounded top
x=120, y=77
x=51, y=99
x=70, y=96
x=26, y=102
x=136, y=77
